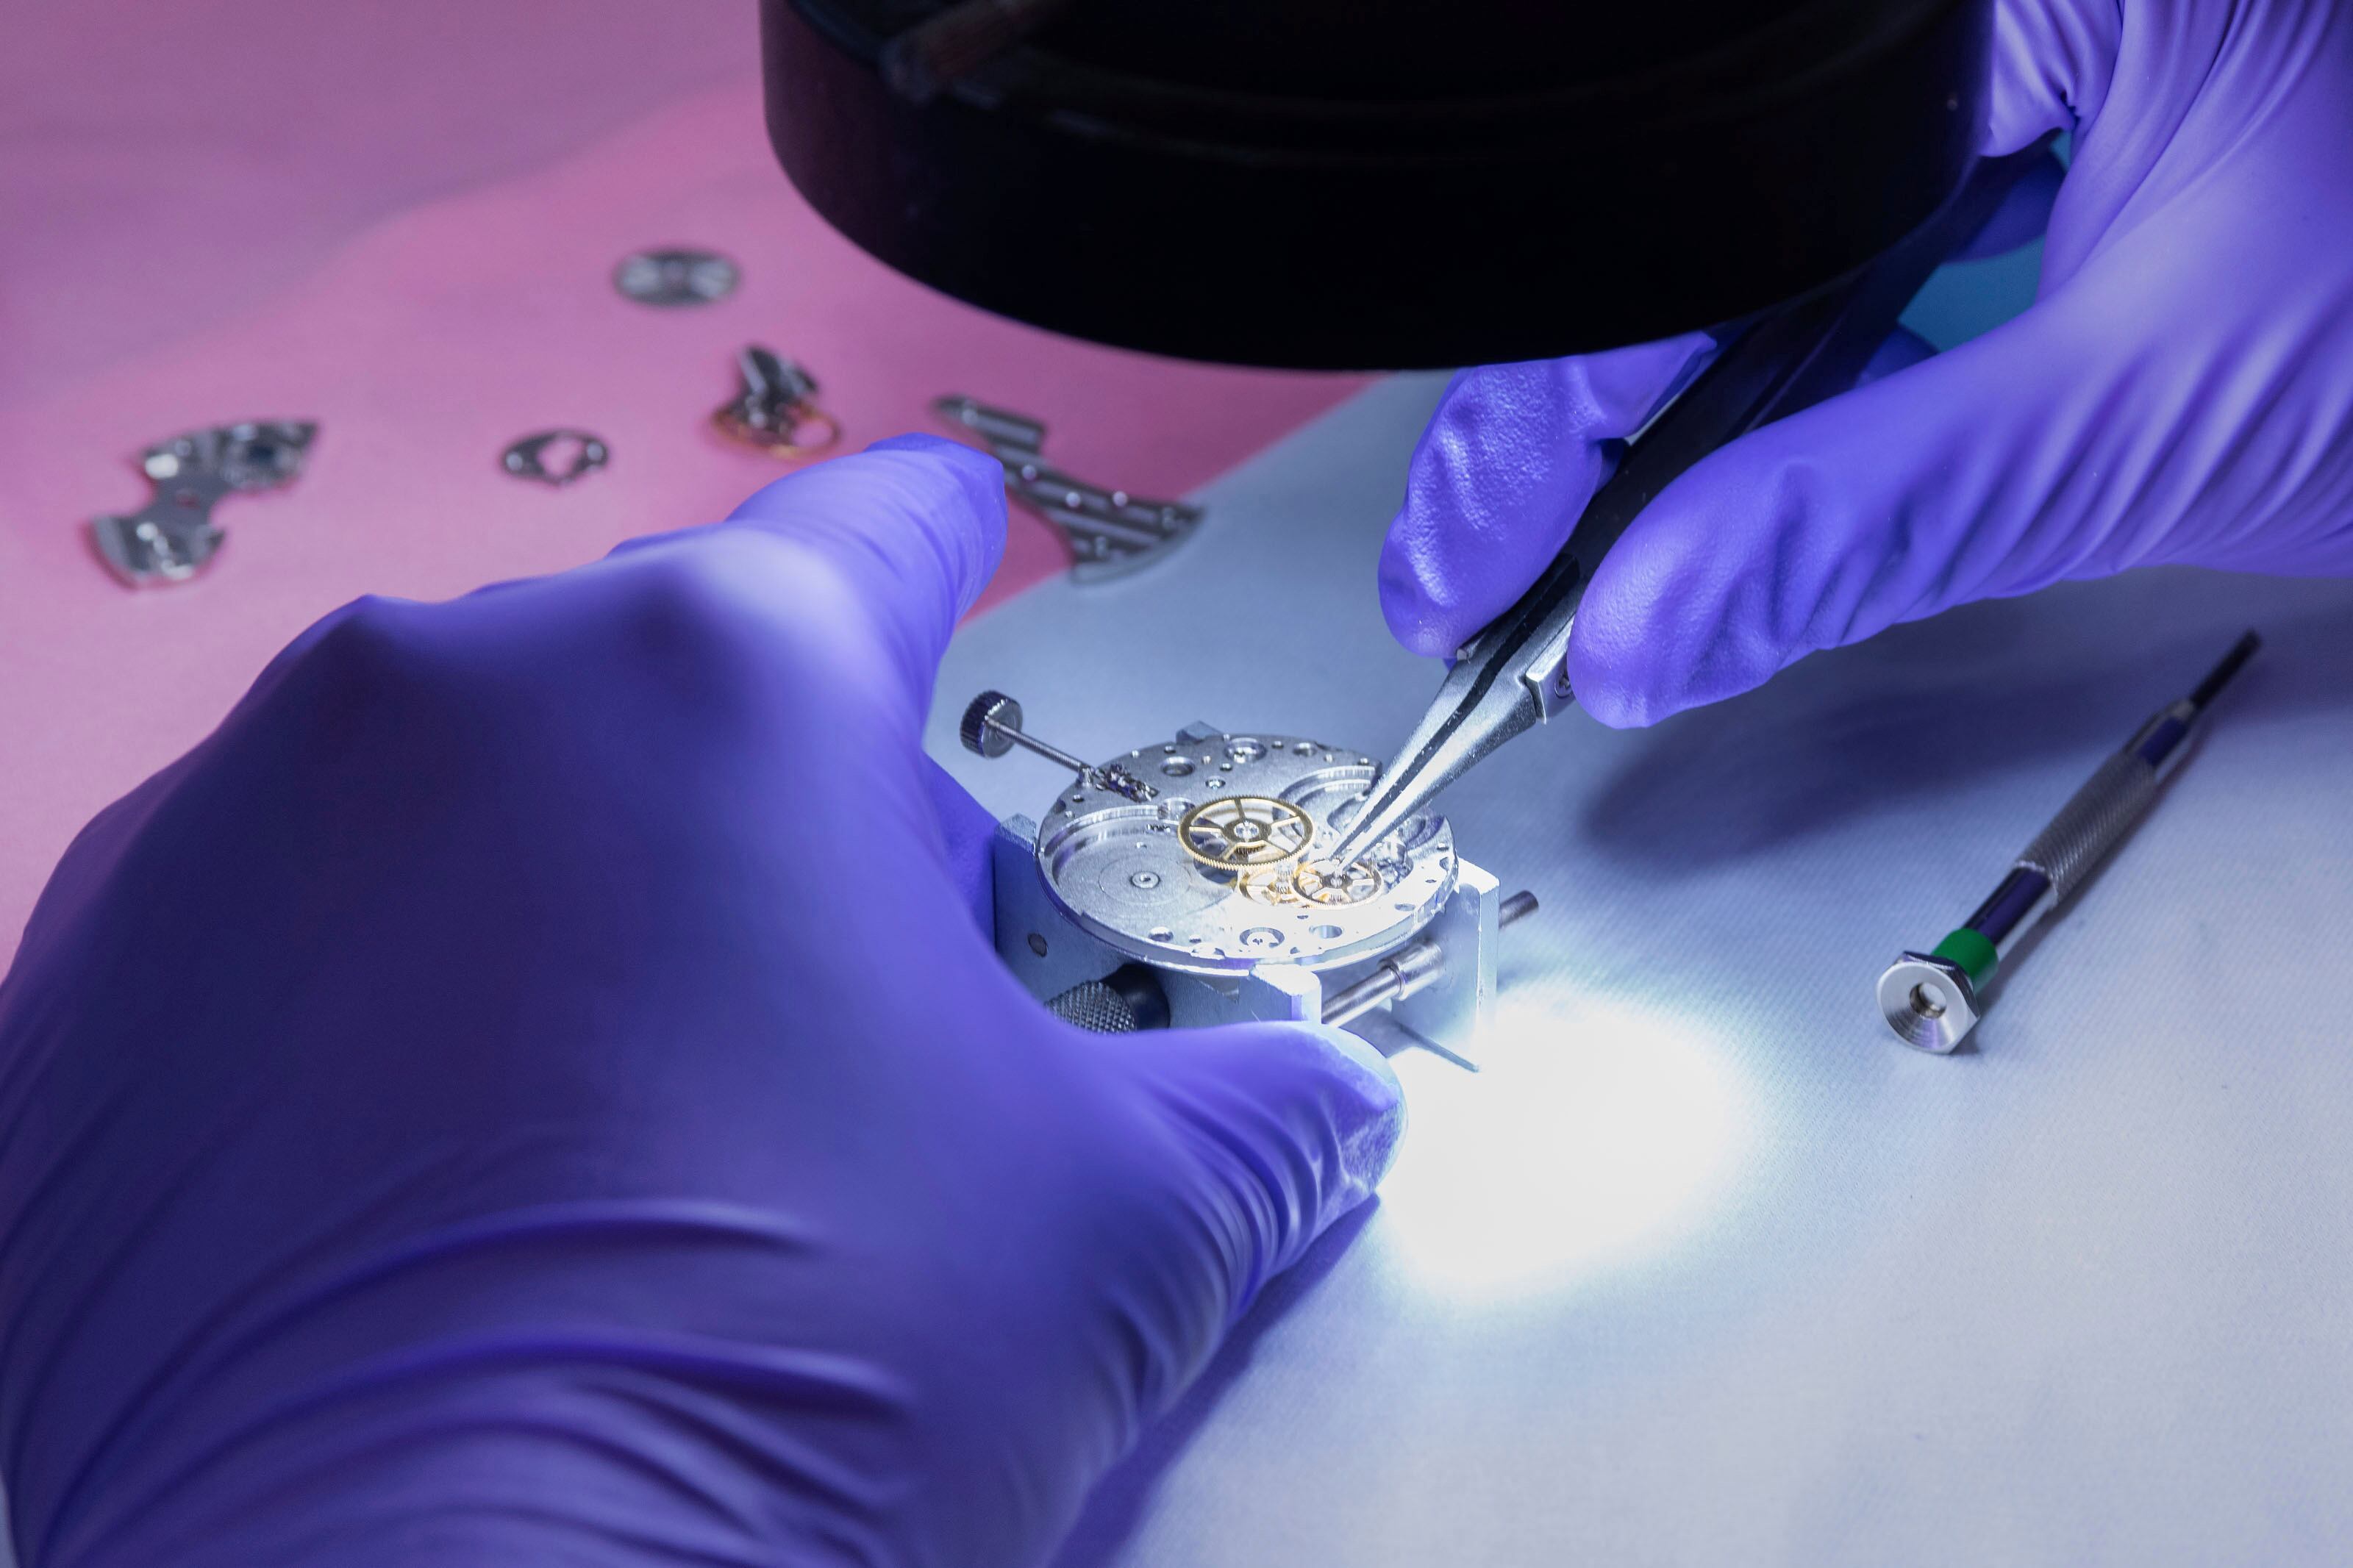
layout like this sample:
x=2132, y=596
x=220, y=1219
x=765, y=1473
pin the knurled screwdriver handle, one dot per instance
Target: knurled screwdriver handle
x=2093, y=821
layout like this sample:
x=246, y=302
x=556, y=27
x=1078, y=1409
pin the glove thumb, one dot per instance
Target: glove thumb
x=1278, y=1130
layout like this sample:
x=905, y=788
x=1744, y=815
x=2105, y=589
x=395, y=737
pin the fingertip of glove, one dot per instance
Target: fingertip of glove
x=1363, y=1091
x=918, y=498
x=979, y=481
x=979, y=477
x=1607, y=666
x=1417, y=624
x=1381, y=1077
x=982, y=476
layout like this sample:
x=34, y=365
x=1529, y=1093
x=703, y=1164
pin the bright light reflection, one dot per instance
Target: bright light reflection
x=1595, y=1132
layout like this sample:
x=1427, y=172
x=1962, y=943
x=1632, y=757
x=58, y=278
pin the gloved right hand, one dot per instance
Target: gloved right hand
x=531, y=1088
x=2182, y=390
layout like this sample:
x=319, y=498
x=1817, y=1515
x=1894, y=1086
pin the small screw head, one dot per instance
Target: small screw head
x=984, y=721
x=1929, y=1001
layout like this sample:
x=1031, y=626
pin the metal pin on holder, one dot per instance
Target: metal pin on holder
x=174, y=537
x=1111, y=532
x=1932, y=1000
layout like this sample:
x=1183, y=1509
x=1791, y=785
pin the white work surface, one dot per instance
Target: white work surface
x=1704, y=1267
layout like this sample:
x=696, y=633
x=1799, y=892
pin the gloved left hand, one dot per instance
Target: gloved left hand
x=531, y=1088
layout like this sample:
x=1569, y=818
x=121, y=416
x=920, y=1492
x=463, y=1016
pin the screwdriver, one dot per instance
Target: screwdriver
x=1932, y=1000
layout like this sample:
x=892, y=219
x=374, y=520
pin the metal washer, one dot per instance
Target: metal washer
x=527, y=458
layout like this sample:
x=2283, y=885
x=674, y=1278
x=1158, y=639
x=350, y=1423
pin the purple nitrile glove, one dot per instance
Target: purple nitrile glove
x=531, y=1088
x=2182, y=390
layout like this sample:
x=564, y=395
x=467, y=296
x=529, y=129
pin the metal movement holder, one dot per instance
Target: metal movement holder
x=1932, y=1000
x=1435, y=982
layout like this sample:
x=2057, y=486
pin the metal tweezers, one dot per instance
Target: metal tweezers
x=1513, y=674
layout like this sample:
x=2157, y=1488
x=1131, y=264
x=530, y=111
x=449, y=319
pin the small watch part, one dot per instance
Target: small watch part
x=1115, y=778
x=775, y=407
x=1239, y=832
x=1329, y=882
x=174, y=537
x=673, y=277
x=1207, y=880
x=556, y=457
x=991, y=727
x=1109, y=530
x=1301, y=884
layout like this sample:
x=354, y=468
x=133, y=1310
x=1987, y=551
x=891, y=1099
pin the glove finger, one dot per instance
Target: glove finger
x=2052, y=63
x=1886, y=504
x=1500, y=476
x=1903, y=349
x=2023, y=214
x=968, y=830
x=912, y=528
x=1289, y=1127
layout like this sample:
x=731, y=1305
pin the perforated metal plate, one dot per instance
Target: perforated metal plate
x=1121, y=870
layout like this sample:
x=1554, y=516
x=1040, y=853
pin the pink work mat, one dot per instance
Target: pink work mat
x=442, y=334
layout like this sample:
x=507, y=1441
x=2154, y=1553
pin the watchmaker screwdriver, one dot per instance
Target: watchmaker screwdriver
x=1932, y=1000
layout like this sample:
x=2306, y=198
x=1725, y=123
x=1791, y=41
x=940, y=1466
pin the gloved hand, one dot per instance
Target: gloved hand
x=2181, y=391
x=531, y=1088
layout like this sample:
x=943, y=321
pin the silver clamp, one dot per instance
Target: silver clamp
x=775, y=408
x=1111, y=532
x=556, y=457
x=173, y=537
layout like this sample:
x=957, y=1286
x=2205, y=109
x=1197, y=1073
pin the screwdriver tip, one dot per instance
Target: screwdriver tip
x=2221, y=675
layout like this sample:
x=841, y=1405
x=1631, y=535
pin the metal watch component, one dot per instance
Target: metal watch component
x=1239, y=832
x=677, y=276
x=173, y=537
x=1932, y=1000
x=1111, y=532
x=775, y=408
x=992, y=726
x=556, y=457
x=1211, y=886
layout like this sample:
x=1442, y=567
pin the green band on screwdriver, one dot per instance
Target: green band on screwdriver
x=1972, y=951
